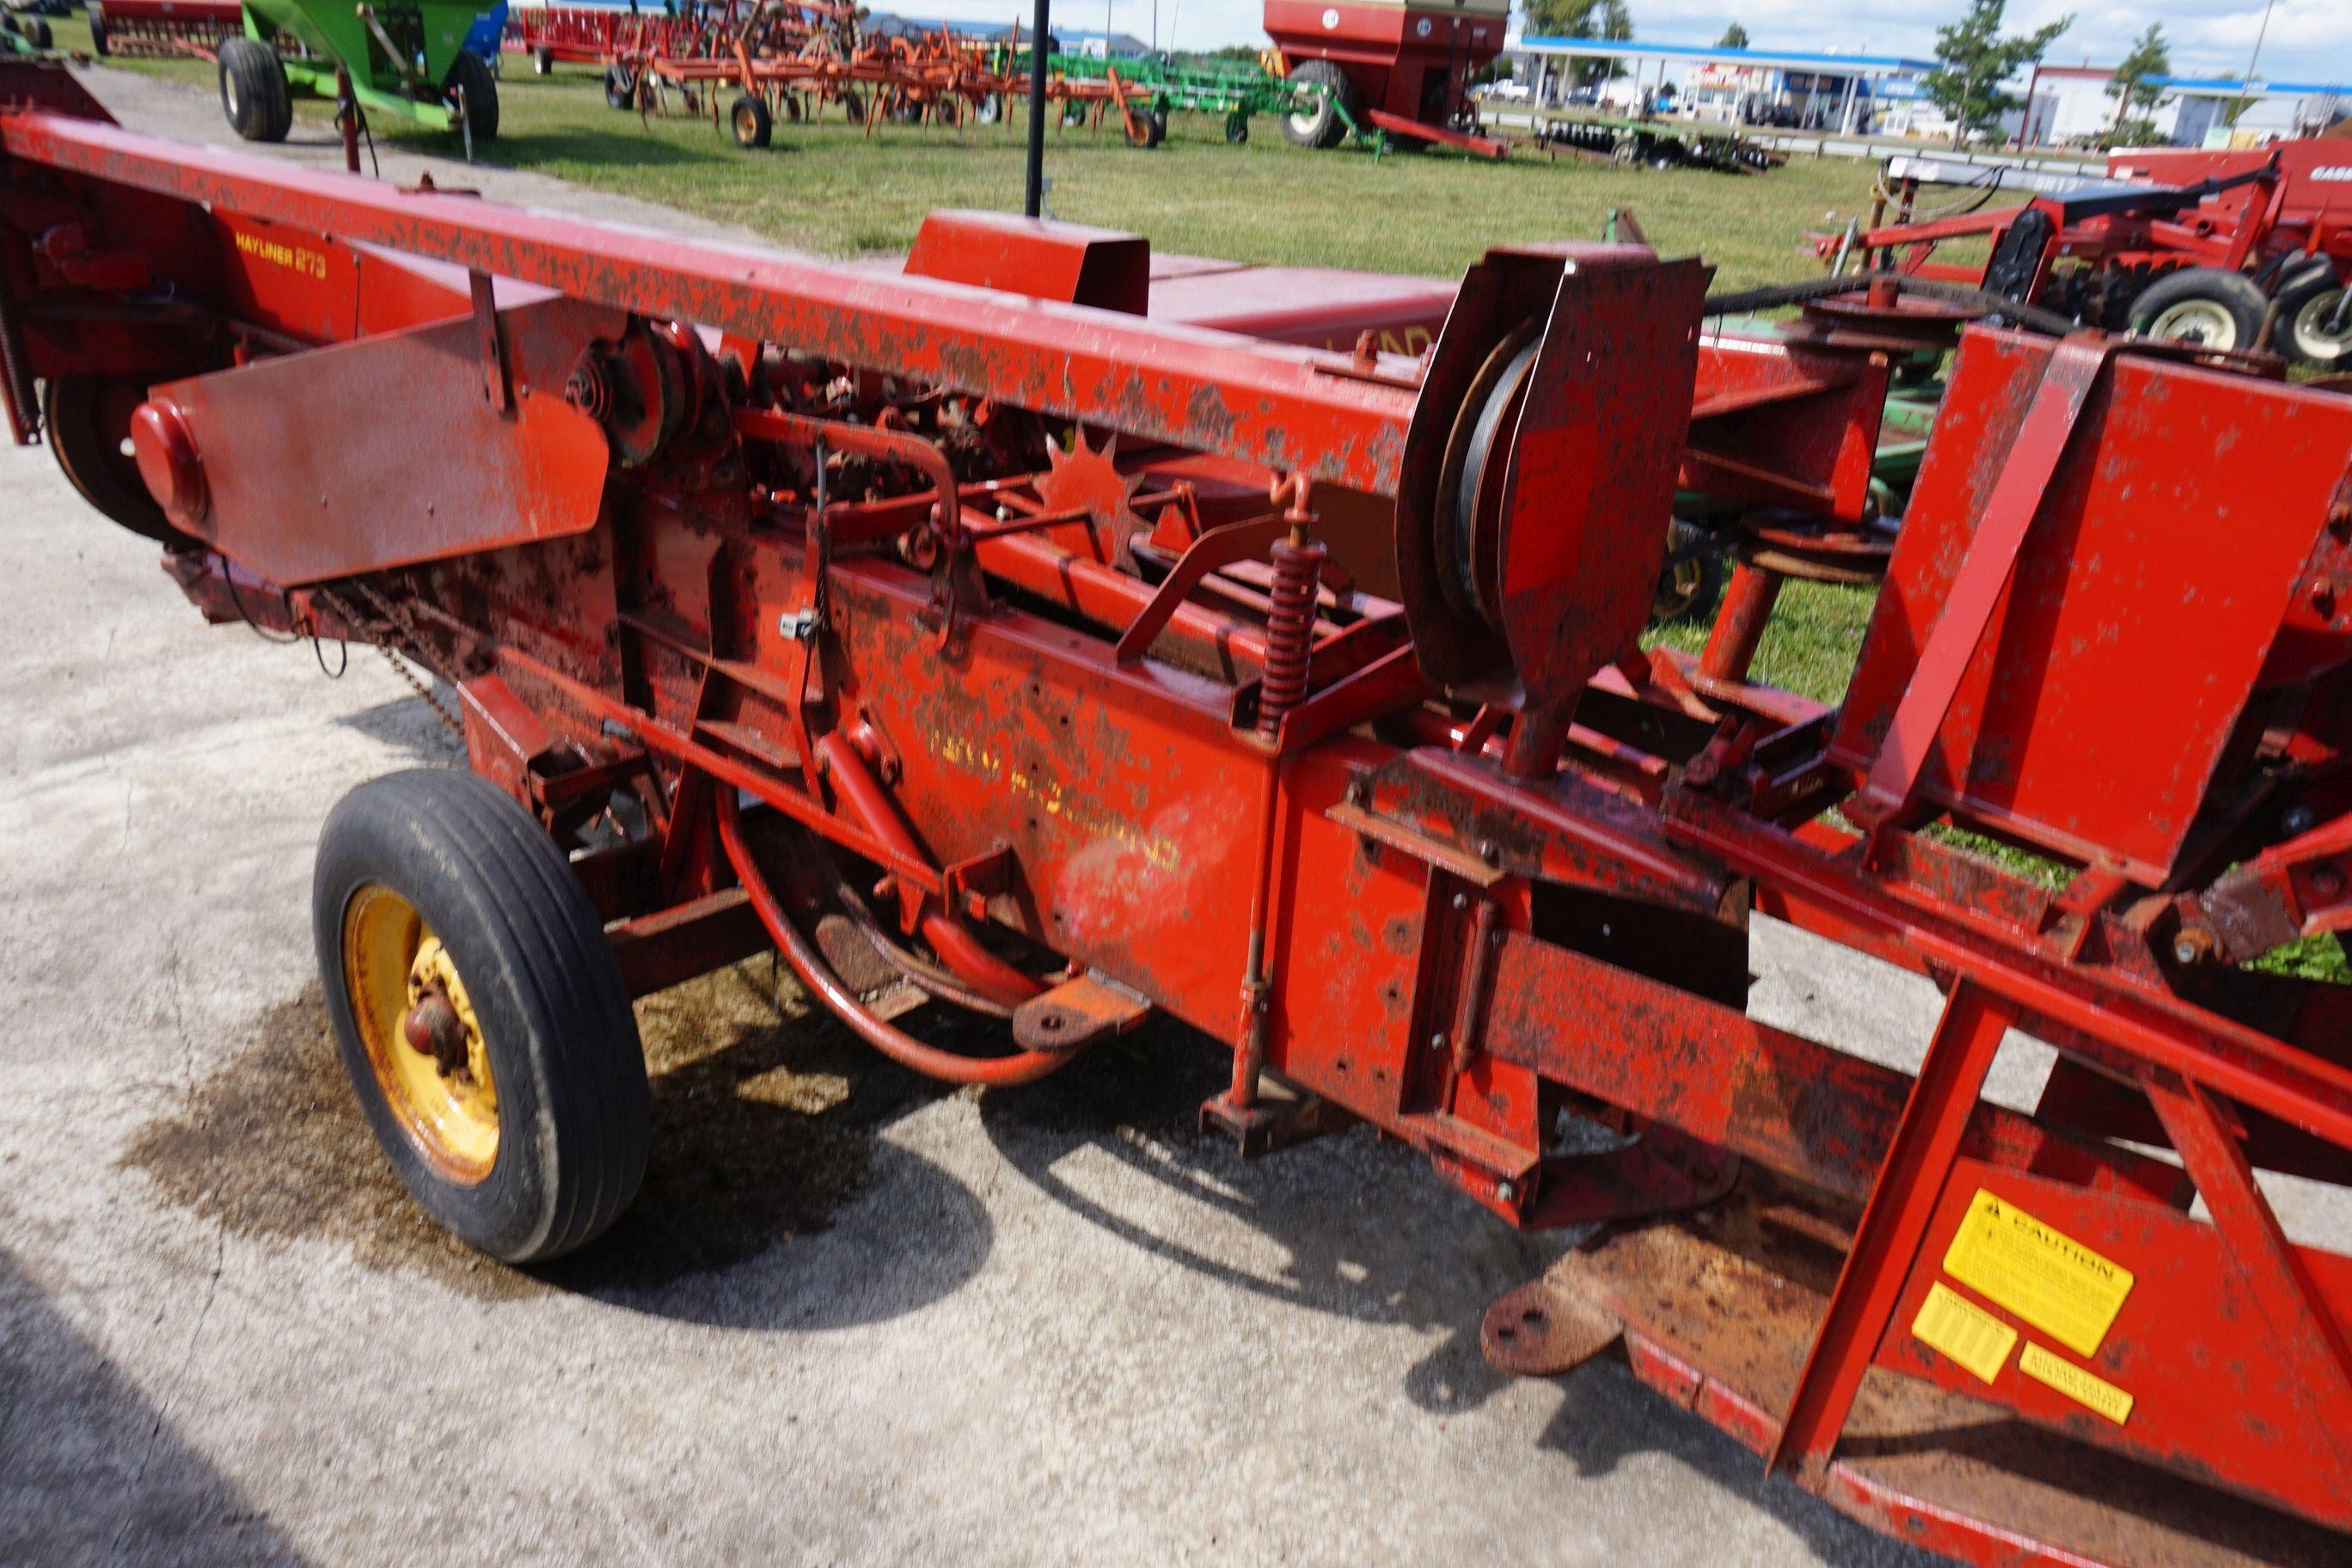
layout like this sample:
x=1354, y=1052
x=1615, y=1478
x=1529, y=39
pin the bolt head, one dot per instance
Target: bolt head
x=1506, y=1192
x=1461, y=901
x=2298, y=818
x=2184, y=950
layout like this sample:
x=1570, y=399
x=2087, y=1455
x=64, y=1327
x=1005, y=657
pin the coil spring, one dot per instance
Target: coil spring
x=1289, y=632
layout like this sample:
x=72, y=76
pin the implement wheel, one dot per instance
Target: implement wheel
x=1237, y=128
x=253, y=90
x=620, y=88
x=2308, y=329
x=481, y=1017
x=470, y=82
x=543, y=61
x=748, y=116
x=98, y=40
x=2202, y=305
x=88, y=421
x=1320, y=90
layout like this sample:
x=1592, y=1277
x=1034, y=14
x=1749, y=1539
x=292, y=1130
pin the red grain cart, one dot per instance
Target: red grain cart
x=973, y=635
x=1402, y=67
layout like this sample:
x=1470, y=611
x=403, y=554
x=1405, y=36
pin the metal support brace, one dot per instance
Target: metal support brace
x=1894, y=1225
x=1984, y=576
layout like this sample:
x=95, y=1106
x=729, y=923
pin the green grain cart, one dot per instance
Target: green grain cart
x=420, y=59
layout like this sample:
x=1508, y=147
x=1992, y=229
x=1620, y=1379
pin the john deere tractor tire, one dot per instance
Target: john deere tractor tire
x=469, y=80
x=88, y=418
x=2202, y=305
x=1315, y=119
x=2308, y=327
x=620, y=88
x=748, y=116
x=481, y=1015
x=252, y=92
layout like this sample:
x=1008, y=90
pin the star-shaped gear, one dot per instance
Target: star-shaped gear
x=1082, y=479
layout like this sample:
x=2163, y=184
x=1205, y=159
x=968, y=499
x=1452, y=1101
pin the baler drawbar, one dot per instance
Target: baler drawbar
x=971, y=632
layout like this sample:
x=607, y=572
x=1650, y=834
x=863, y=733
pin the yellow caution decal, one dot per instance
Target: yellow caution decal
x=2077, y=1383
x=1950, y=1322
x=2038, y=1273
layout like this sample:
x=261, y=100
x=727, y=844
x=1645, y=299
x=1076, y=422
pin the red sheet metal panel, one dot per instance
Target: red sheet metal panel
x=336, y=467
x=2146, y=598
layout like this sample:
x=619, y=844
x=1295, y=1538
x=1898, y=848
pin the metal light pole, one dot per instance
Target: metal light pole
x=1034, y=203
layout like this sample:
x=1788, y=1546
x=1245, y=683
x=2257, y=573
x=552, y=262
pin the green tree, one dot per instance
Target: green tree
x=1606, y=19
x=1974, y=59
x=2133, y=87
x=1734, y=36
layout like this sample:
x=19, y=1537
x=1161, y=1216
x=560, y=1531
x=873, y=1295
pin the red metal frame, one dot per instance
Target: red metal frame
x=1030, y=608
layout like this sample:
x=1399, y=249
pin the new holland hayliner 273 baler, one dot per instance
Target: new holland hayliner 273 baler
x=974, y=627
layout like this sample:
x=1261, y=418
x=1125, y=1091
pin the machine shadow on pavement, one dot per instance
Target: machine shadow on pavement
x=90, y=1470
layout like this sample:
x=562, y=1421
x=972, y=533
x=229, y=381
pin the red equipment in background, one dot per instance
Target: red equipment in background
x=163, y=28
x=1403, y=67
x=2203, y=256
x=969, y=631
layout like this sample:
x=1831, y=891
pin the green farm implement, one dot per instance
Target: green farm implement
x=416, y=59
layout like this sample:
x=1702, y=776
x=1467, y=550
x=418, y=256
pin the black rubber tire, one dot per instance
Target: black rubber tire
x=575, y=1116
x=854, y=107
x=990, y=109
x=88, y=418
x=1237, y=129
x=748, y=116
x=1689, y=591
x=543, y=62
x=471, y=73
x=2226, y=297
x=1324, y=127
x=98, y=42
x=2304, y=310
x=253, y=90
x=37, y=32
x=620, y=88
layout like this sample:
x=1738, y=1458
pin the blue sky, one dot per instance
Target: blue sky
x=2309, y=39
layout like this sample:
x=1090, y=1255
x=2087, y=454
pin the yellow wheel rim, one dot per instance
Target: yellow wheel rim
x=392, y=963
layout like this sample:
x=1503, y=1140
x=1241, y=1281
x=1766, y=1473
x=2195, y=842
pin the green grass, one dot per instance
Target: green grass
x=828, y=188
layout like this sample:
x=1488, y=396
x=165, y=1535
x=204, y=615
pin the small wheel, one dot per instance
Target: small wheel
x=253, y=90
x=2314, y=326
x=38, y=33
x=481, y=1017
x=1237, y=128
x=749, y=117
x=1320, y=90
x=1688, y=588
x=620, y=88
x=88, y=421
x=469, y=82
x=990, y=109
x=854, y=107
x=2202, y=305
x=543, y=61
x=98, y=44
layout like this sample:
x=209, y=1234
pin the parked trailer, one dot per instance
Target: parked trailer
x=972, y=631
